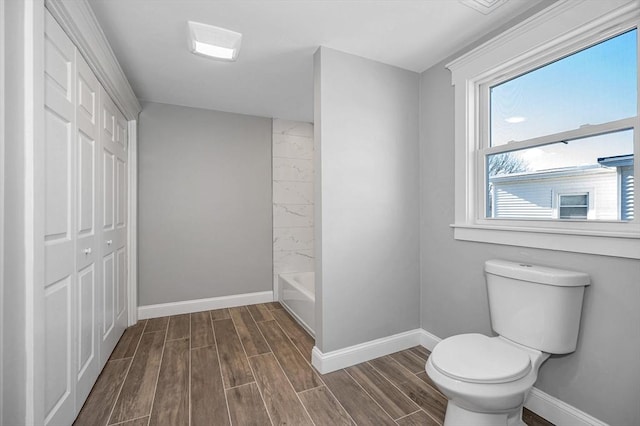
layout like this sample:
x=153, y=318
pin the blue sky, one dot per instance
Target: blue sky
x=593, y=86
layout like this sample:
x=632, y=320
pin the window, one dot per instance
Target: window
x=569, y=114
x=546, y=132
x=573, y=206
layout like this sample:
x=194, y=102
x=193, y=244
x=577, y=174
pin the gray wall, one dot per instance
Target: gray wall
x=602, y=378
x=13, y=321
x=367, y=200
x=205, y=214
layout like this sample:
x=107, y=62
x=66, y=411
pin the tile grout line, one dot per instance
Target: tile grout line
x=295, y=346
x=314, y=370
x=155, y=388
x=127, y=421
x=407, y=415
x=126, y=374
x=264, y=404
x=215, y=345
x=393, y=384
x=369, y=395
x=304, y=407
x=401, y=391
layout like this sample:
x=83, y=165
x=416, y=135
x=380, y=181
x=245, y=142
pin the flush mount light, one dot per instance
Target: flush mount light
x=515, y=120
x=214, y=42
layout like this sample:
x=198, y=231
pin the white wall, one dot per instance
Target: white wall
x=205, y=211
x=367, y=209
x=292, y=197
x=602, y=378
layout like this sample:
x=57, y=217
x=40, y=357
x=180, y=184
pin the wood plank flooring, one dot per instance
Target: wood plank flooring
x=250, y=365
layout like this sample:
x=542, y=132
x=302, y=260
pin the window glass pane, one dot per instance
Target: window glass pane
x=574, y=200
x=525, y=184
x=593, y=86
x=573, y=212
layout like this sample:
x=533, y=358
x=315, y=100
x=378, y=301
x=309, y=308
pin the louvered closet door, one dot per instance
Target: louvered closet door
x=114, y=224
x=59, y=228
x=89, y=233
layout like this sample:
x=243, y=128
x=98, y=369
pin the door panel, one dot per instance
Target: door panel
x=57, y=176
x=86, y=320
x=121, y=259
x=86, y=183
x=59, y=242
x=59, y=407
x=108, y=295
x=122, y=193
x=108, y=188
x=88, y=233
x=114, y=223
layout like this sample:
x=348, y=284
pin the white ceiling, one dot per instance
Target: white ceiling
x=273, y=76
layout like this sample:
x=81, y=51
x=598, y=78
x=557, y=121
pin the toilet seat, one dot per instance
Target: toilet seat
x=477, y=358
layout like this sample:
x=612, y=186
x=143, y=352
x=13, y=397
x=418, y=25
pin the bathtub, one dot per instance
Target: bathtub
x=298, y=296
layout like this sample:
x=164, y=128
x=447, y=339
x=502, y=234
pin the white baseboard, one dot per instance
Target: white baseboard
x=341, y=358
x=428, y=340
x=198, y=305
x=558, y=412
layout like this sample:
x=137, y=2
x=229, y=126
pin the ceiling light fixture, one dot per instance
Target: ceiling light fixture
x=214, y=42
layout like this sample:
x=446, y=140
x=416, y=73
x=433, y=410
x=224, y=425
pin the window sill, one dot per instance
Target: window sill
x=601, y=243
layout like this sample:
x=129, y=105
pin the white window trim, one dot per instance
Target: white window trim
x=561, y=29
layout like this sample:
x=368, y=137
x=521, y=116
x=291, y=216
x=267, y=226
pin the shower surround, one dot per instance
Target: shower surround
x=292, y=198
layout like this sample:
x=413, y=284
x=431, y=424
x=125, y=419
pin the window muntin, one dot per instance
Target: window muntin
x=593, y=86
x=549, y=130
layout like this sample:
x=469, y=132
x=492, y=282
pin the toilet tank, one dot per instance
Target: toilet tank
x=536, y=306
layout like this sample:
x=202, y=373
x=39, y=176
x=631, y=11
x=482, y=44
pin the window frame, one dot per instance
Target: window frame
x=560, y=30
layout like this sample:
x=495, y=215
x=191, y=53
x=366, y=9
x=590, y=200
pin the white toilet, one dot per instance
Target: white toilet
x=535, y=311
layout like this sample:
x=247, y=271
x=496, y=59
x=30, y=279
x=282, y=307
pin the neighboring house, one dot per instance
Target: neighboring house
x=602, y=191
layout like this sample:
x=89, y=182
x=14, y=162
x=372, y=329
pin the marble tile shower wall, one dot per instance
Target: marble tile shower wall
x=292, y=197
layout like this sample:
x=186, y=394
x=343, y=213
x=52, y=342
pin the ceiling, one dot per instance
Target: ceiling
x=273, y=76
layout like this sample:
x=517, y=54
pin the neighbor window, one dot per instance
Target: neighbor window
x=573, y=206
x=546, y=132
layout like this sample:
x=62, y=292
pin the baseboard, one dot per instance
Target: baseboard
x=341, y=358
x=428, y=340
x=198, y=305
x=558, y=412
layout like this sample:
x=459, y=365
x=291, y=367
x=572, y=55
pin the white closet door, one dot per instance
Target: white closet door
x=89, y=233
x=113, y=138
x=59, y=241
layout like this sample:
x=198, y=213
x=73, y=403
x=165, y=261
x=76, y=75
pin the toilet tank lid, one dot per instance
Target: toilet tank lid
x=535, y=273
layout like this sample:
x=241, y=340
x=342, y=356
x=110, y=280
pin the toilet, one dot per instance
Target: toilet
x=535, y=311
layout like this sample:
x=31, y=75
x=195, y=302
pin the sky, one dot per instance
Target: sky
x=593, y=86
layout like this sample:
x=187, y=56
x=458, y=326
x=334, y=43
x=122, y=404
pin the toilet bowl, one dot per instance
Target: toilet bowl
x=486, y=379
x=535, y=311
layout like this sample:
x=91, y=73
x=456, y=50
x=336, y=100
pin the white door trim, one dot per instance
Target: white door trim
x=132, y=261
x=2, y=179
x=34, y=208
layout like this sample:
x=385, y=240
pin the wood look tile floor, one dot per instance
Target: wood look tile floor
x=250, y=365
